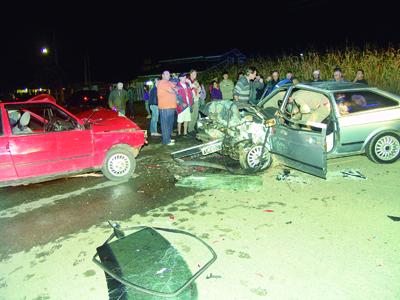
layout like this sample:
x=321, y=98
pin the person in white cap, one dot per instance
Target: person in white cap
x=316, y=76
x=118, y=98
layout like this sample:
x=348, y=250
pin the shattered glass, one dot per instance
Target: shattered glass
x=146, y=259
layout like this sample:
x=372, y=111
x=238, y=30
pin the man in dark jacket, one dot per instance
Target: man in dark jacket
x=118, y=98
x=153, y=103
x=272, y=81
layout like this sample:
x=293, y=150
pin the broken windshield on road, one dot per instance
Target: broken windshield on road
x=145, y=265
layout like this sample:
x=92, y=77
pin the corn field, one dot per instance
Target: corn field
x=381, y=66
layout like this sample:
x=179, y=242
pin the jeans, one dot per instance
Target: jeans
x=154, y=118
x=167, y=117
x=147, y=107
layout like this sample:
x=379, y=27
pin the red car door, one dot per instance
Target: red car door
x=75, y=149
x=7, y=170
x=74, y=143
x=35, y=154
x=32, y=153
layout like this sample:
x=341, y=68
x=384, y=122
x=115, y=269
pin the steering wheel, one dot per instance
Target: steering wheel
x=53, y=125
x=293, y=109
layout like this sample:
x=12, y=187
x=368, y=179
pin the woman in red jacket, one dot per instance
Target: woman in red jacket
x=185, y=103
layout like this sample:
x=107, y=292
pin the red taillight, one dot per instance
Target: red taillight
x=85, y=98
x=101, y=97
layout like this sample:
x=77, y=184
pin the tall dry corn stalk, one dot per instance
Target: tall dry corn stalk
x=381, y=66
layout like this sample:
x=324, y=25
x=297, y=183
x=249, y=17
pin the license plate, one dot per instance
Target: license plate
x=211, y=149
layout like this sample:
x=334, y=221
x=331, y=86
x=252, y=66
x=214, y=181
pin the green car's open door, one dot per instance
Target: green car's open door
x=300, y=145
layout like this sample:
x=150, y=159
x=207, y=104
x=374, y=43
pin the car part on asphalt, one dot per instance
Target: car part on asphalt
x=145, y=265
x=393, y=218
x=353, y=173
x=211, y=275
x=216, y=181
x=284, y=175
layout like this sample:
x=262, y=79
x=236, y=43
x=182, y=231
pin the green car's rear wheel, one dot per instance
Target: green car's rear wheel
x=384, y=148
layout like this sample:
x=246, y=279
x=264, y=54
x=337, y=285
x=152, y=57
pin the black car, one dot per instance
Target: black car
x=86, y=98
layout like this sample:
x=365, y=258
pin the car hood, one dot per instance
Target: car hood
x=102, y=119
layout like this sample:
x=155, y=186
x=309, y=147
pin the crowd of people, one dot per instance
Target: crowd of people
x=177, y=99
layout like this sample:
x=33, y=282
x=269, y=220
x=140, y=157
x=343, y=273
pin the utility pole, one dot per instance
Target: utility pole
x=87, y=76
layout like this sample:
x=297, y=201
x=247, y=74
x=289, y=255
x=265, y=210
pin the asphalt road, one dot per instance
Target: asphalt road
x=38, y=213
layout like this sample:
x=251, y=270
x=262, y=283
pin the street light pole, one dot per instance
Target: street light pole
x=55, y=48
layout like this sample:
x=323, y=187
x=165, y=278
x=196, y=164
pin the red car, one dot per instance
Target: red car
x=40, y=140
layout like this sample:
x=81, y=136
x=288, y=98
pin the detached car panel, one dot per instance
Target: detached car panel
x=40, y=140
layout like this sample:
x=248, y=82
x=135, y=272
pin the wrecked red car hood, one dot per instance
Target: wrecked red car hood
x=103, y=119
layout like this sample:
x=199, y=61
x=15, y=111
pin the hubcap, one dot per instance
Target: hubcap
x=387, y=148
x=119, y=164
x=253, y=157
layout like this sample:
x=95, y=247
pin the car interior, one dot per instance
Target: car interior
x=38, y=118
x=310, y=107
x=353, y=102
x=273, y=104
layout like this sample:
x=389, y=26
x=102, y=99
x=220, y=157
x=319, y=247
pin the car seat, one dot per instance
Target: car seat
x=23, y=124
x=13, y=116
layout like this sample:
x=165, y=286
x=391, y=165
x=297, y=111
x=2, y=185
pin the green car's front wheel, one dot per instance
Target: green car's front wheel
x=250, y=158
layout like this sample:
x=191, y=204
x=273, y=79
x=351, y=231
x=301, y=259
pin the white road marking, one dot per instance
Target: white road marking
x=27, y=207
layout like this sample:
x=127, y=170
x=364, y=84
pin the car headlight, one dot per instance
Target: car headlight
x=270, y=122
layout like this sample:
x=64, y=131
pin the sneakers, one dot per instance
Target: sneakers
x=155, y=134
x=171, y=143
x=148, y=117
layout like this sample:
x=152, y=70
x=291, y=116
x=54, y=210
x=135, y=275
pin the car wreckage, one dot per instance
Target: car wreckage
x=303, y=125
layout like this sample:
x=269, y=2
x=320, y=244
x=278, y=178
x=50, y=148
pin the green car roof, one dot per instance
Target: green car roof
x=336, y=86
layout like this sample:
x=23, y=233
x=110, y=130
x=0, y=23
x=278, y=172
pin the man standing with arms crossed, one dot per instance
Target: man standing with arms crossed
x=245, y=86
x=167, y=107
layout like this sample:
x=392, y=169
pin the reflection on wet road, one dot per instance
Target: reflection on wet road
x=39, y=213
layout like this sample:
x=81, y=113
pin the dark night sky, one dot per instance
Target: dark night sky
x=118, y=37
